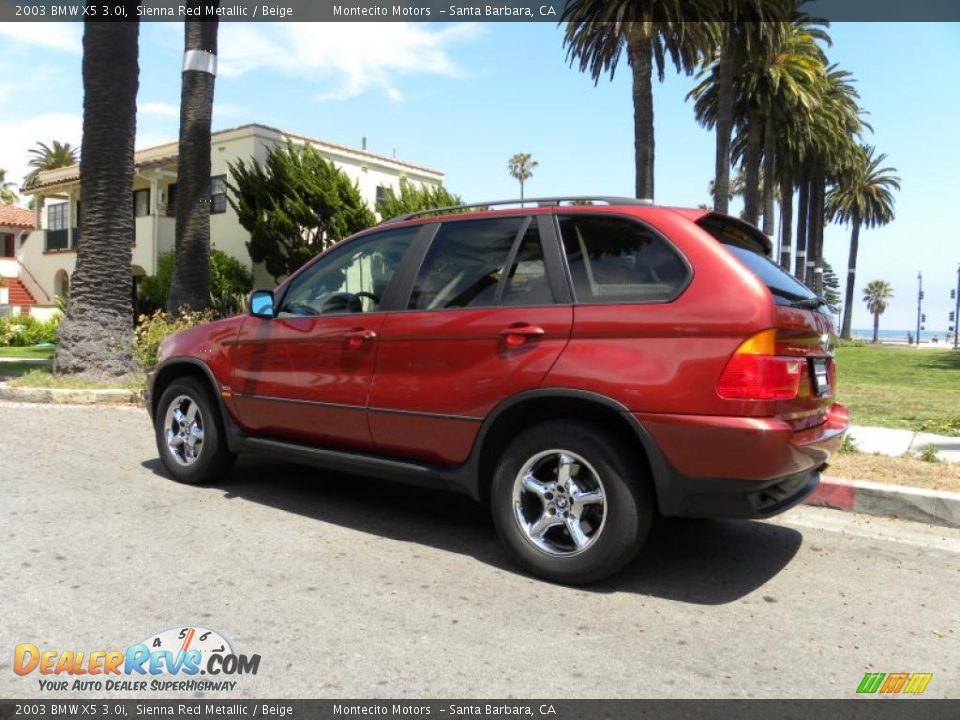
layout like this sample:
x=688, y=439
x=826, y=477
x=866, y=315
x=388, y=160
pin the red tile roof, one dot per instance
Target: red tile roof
x=11, y=216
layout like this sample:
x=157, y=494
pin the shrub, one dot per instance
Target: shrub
x=849, y=445
x=154, y=328
x=928, y=453
x=230, y=281
x=25, y=330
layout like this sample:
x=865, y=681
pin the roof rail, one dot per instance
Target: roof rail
x=540, y=202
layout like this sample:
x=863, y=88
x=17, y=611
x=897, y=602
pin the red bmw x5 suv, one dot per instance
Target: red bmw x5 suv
x=578, y=367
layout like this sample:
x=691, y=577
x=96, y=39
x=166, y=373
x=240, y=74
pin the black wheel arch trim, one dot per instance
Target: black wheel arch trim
x=659, y=467
x=232, y=433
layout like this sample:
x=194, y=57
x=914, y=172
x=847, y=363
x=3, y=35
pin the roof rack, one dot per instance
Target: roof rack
x=540, y=202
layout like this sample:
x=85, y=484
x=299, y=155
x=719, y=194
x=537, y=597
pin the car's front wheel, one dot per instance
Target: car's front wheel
x=571, y=502
x=190, y=440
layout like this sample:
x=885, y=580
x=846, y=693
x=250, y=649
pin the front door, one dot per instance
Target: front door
x=305, y=374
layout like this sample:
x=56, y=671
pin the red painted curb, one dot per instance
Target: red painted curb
x=839, y=496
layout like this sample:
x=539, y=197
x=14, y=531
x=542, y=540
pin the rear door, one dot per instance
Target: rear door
x=486, y=318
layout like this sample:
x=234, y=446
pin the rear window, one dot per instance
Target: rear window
x=784, y=287
x=618, y=260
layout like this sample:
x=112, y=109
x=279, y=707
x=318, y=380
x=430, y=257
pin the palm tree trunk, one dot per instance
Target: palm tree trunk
x=851, y=278
x=768, y=173
x=811, y=233
x=96, y=336
x=751, y=190
x=876, y=328
x=819, y=220
x=786, y=219
x=641, y=63
x=190, y=286
x=725, y=111
x=800, y=265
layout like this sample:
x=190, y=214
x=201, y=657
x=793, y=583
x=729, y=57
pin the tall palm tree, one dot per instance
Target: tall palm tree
x=95, y=336
x=863, y=197
x=190, y=286
x=520, y=166
x=649, y=32
x=8, y=194
x=50, y=157
x=877, y=295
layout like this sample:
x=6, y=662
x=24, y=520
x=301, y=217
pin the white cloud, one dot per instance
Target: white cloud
x=351, y=58
x=51, y=35
x=19, y=136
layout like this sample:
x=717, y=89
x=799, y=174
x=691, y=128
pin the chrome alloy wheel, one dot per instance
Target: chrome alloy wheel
x=559, y=502
x=184, y=430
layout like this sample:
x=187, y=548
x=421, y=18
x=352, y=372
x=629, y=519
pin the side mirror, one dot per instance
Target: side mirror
x=261, y=304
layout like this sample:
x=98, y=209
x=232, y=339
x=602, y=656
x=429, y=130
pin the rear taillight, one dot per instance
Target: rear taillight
x=754, y=372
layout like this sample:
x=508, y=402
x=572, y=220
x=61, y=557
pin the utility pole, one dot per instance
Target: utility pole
x=956, y=311
x=919, y=303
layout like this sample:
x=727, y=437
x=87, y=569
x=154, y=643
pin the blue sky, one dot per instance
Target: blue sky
x=464, y=97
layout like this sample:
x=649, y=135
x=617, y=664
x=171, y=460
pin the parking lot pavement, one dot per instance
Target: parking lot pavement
x=350, y=587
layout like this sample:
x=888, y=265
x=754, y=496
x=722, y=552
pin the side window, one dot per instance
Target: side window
x=465, y=264
x=352, y=279
x=618, y=260
x=528, y=283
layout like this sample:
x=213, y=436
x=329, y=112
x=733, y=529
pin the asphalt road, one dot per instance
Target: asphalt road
x=350, y=587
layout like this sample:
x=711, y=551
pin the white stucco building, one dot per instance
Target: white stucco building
x=46, y=259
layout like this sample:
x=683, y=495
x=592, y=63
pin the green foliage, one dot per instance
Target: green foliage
x=294, y=206
x=415, y=198
x=25, y=330
x=831, y=287
x=949, y=426
x=154, y=328
x=849, y=445
x=842, y=342
x=230, y=281
x=928, y=453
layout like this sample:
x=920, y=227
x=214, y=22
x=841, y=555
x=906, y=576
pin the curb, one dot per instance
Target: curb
x=934, y=507
x=65, y=396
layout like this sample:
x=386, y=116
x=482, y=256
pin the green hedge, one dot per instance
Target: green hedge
x=25, y=330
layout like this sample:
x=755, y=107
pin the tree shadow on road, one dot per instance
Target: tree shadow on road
x=701, y=562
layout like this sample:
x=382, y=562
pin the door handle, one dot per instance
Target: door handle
x=358, y=336
x=518, y=333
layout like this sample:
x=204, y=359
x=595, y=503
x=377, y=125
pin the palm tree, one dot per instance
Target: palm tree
x=877, y=295
x=95, y=336
x=747, y=26
x=651, y=32
x=190, y=286
x=520, y=167
x=8, y=195
x=863, y=197
x=50, y=157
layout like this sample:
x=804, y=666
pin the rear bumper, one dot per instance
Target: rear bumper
x=739, y=467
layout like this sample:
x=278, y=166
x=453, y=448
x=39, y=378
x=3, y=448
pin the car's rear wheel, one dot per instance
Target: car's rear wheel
x=570, y=502
x=189, y=434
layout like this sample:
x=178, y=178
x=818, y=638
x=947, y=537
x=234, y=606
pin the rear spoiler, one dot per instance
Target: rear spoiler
x=736, y=229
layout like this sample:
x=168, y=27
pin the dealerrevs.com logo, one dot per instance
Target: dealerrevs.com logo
x=168, y=661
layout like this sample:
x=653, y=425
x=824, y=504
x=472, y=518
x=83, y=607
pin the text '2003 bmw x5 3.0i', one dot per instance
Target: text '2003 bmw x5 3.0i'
x=578, y=367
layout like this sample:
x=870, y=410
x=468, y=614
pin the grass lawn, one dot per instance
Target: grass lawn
x=42, y=377
x=901, y=387
x=28, y=353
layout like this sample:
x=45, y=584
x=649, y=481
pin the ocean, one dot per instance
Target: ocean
x=901, y=335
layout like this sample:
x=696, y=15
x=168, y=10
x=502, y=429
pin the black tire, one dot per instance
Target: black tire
x=213, y=459
x=628, y=508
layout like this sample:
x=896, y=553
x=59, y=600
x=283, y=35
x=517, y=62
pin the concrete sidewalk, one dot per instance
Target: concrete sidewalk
x=888, y=441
